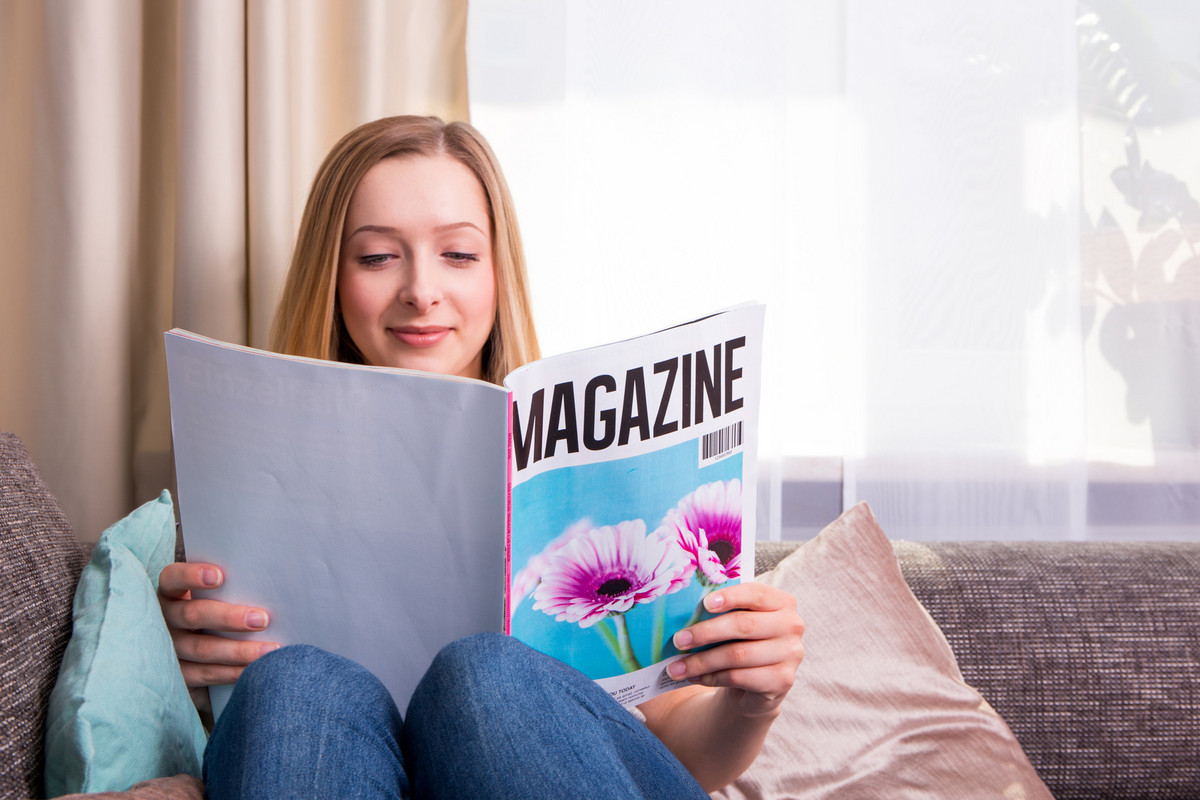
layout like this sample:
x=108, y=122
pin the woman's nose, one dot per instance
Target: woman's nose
x=421, y=289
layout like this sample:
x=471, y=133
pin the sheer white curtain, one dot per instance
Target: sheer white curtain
x=974, y=391
x=929, y=198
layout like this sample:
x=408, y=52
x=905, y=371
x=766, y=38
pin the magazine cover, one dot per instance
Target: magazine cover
x=633, y=495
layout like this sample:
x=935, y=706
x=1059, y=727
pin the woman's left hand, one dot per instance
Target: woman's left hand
x=759, y=646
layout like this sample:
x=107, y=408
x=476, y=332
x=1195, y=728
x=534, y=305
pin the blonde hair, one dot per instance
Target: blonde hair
x=308, y=321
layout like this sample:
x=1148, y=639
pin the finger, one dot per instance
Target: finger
x=740, y=625
x=207, y=649
x=179, y=578
x=201, y=675
x=733, y=625
x=761, y=688
x=744, y=611
x=214, y=615
x=750, y=596
x=741, y=655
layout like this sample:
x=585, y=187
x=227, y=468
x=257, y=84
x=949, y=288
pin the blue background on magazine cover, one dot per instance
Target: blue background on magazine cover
x=642, y=487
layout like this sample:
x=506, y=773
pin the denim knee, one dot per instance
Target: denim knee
x=302, y=674
x=294, y=662
x=466, y=667
x=484, y=672
x=303, y=722
x=493, y=717
x=469, y=653
x=484, y=659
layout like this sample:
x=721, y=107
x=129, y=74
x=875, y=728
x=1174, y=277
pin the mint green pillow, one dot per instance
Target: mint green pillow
x=120, y=712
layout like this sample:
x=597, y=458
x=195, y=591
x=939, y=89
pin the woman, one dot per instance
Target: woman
x=409, y=256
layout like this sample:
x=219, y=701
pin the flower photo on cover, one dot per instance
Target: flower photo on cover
x=625, y=581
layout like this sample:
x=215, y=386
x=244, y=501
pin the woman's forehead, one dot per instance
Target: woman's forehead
x=435, y=191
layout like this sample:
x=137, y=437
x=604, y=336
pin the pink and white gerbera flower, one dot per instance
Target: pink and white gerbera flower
x=607, y=571
x=525, y=581
x=708, y=526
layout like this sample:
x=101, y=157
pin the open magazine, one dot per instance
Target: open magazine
x=586, y=507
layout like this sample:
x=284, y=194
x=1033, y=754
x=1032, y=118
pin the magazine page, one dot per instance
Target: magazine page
x=633, y=494
x=364, y=508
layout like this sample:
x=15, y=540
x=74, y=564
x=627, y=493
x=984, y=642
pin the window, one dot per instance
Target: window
x=975, y=226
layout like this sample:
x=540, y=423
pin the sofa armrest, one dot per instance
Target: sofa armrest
x=40, y=562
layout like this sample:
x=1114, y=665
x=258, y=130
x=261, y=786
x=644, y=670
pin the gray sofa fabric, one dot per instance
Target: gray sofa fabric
x=40, y=562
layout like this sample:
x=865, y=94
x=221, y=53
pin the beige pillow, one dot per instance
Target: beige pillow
x=879, y=708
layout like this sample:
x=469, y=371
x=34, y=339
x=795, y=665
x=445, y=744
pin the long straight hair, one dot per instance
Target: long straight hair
x=308, y=321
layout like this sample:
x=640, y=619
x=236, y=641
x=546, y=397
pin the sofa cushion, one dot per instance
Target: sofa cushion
x=120, y=712
x=40, y=560
x=879, y=708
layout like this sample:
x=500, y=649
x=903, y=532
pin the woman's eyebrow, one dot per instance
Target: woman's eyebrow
x=456, y=225
x=371, y=229
x=450, y=226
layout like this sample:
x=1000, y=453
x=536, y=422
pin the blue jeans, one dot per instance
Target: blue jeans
x=491, y=718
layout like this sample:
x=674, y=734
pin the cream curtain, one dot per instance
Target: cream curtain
x=154, y=165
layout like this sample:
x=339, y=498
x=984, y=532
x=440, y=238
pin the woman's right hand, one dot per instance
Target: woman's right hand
x=205, y=659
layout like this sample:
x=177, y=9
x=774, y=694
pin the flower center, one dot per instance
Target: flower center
x=723, y=550
x=614, y=587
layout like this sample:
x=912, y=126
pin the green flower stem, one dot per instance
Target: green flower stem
x=610, y=638
x=618, y=641
x=656, y=641
x=628, y=659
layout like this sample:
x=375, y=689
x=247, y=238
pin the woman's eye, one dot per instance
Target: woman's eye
x=461, y=258
x=375, y=259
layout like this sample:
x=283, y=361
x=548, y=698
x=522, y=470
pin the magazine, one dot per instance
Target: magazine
x=585, y=507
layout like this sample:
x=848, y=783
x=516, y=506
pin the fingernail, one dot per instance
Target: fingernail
x=682, y=639
x=714, y=602
x=210, y=577
x=256, y=620
x=266, y=648
x=676, y=669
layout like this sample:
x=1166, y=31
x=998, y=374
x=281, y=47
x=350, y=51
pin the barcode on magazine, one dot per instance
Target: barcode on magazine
x=718, y=444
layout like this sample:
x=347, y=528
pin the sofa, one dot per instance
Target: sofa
x=1090, y=652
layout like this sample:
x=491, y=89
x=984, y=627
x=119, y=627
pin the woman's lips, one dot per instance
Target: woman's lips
x=419, y=336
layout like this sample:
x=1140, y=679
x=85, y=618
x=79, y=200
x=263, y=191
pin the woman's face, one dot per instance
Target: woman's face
x=416, y=286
